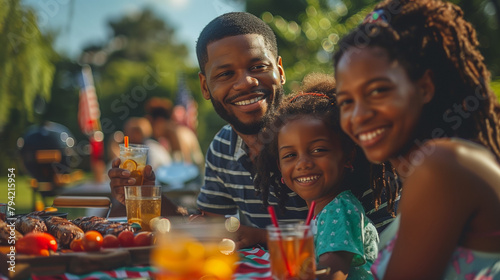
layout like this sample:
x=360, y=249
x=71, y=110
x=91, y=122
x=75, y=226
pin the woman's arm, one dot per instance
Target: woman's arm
x=436, y=204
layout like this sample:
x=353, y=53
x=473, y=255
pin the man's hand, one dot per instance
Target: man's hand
x=121, y=177
x=250, y=236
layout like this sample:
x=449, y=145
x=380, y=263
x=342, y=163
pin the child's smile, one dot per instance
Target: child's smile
x=311, y=159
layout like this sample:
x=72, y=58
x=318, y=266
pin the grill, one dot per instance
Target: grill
x=48, y=154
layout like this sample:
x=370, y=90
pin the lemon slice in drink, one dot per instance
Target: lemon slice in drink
x=130, y=165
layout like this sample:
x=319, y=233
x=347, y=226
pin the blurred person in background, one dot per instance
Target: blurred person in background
x=139, y=131
x=179, y=140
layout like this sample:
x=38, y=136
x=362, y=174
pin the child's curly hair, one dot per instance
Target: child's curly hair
x=315, y=99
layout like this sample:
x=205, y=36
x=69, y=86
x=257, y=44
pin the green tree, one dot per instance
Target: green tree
x=308, y=30
x=26, y=72
x=307, y=38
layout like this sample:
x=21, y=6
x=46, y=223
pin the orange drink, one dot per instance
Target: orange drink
x=195, y=251
x=291, y=251
x=133, y=158
x=143, y=203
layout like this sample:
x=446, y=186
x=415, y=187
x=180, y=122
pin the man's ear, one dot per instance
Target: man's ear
x=426, y=86
x=204, y=87
x=281, y=70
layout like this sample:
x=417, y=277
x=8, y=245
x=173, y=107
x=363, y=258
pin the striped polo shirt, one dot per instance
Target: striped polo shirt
x=229, y=184
x=380, y=217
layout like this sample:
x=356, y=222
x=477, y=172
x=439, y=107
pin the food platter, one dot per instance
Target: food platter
x=40, y=227
x=75, y=262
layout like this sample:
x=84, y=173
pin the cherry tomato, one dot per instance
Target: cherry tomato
x=76, y=245
x=36, y=243
x=110, y=241
x=143, y=238
x=92, y=241
x=126, y=238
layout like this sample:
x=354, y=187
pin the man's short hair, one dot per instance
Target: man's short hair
x=233, y=24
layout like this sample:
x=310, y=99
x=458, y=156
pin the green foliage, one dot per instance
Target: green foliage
x=495, y=86
x=307, y=41
x=26, y=62
x=26, y=72
x=308, y=30
x=485, y=17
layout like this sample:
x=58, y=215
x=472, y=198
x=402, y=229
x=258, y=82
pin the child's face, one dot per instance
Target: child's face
x=310, y=158
x=380, y=106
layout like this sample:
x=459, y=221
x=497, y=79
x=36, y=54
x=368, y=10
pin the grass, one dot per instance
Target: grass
x=23, y=197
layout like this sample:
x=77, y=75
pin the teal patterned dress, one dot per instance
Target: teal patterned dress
x=343, y=226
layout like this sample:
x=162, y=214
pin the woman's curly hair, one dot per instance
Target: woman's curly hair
x=433, y=35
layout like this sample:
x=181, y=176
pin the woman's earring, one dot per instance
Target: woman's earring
x=282, y=181
x=349, y=166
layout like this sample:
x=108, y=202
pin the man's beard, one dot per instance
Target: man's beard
x=243, y=128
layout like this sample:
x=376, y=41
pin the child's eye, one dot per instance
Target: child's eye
x=344, y=102
x=379, y=90
x=319, y=150
x=287, y=156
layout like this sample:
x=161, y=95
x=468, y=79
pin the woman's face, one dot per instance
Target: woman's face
x=311, y=159
x=380, y=106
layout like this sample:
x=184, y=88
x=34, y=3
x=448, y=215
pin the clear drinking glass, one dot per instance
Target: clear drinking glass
x=143, y=203
x=291, y=251
x=133, y=158
x=197, y=250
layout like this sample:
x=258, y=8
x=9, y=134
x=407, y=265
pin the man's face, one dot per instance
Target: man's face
x=242, y=79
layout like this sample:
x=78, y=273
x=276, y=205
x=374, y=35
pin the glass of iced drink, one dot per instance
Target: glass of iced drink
x=291, y=251
x=143, y=203
x=133, y=158
x=196, y=250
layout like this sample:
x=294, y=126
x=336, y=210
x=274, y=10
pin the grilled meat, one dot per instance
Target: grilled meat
x=30, y=223
x=63, y=230
x=102, y=225
x=5, y=234
x=88, y=223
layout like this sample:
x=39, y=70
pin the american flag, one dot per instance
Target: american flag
x=184, y=98
x=88, y=107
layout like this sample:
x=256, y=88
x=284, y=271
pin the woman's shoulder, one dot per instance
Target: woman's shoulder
x=457, y=162
x=458, y=153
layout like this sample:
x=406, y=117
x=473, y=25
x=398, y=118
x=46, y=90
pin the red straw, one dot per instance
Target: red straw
x=308, y=222
x=311, y=212
x=270, y=209
x=125, y=140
